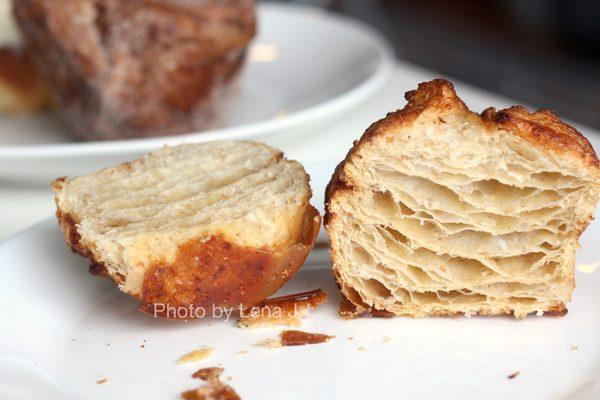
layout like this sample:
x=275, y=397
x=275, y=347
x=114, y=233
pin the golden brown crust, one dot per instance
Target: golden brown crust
x=209, y=272
x=68, y=225
x=301, y=338
x=545, y=129
x=542, y=128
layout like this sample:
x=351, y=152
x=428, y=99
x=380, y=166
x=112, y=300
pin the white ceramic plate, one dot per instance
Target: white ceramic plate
x=62, y=330
x=306, y=67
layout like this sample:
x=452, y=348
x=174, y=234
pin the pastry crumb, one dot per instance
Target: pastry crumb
x=300, y=338
x=285, y=310
x=208, y=373
x=199, y=354
x=514, y=375
x=213, y=389
x=272, y=343
x=101, y=381
x=574, y=348
x=387, y=339
x=361, y=348
x=296, y=338
x=241, y=352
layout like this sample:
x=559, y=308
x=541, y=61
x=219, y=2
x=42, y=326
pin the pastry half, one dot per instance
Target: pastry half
x=440, y=211
x=220, y=224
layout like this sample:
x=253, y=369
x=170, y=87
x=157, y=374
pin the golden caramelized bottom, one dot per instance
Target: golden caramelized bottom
x=216, y=273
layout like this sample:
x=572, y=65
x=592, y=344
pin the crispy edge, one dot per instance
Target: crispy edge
x=68, y=225
x=437, y=94
x=542, y=128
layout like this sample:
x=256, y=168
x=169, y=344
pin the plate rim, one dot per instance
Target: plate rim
x=297, y=119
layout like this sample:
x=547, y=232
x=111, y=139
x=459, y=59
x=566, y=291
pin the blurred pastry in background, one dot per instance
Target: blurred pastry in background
x=21, y=89
x=138, y=68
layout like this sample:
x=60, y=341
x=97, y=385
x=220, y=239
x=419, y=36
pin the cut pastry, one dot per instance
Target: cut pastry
x=194, y=227
x=439, y=211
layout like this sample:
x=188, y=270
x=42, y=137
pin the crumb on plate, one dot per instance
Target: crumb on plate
x=296, y=338
x=199, y=354
x=208, y=373
x=214, y=389
x=285, y=310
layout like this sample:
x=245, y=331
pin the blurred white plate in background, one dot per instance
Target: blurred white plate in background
x=305, y=67
x=62, y=330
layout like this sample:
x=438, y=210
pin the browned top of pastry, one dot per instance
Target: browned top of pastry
x=545, y=129
x=542, y=128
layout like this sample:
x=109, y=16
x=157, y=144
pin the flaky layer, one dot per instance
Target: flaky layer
x=438, y=211
x=218, y=223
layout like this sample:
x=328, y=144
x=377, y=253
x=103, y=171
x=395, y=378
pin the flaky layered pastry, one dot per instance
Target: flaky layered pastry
x=221, y=224
x=439, y=211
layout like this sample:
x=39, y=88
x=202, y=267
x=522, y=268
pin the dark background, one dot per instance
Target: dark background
x=543, y=53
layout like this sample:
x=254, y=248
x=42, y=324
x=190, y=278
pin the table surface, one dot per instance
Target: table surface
x=24, y=205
